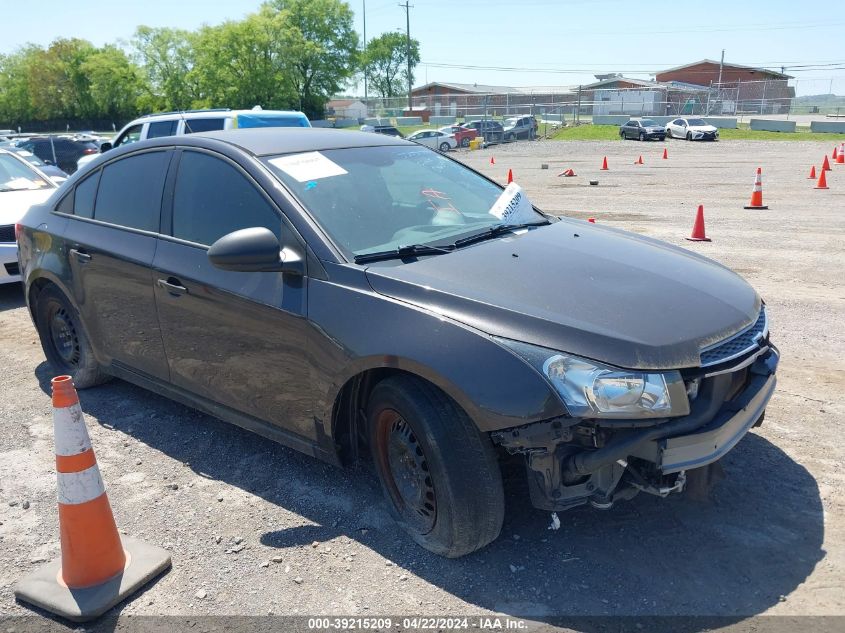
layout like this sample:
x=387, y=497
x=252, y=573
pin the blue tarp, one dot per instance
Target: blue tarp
x=267, y=119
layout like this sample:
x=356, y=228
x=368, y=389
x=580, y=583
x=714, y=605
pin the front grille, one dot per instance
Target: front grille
x=739, y=344
x=7, y=233
x=13, y=269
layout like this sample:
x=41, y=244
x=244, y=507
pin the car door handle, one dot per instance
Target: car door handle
x=173, y=286
x=81, y=256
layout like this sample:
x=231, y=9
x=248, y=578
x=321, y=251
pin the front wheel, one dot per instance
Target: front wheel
x=642, y=137
x=511, y=138
x=438, y=472
x=465, y=142
x=444, y=147
x=689, y=136
x=64, y=341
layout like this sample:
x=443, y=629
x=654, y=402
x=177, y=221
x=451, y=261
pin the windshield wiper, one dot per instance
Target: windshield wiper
x=496, y=231
x=401, y=252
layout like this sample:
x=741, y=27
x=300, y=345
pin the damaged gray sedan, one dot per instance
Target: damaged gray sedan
x=355, y=295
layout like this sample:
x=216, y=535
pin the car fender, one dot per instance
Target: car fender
x=493, y=385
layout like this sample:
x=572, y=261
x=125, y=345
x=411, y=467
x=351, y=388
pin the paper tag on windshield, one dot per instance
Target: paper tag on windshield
x=513, y=206
x=308, y=166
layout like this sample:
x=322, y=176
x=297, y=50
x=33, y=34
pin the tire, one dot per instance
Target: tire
x=622, y=135
x=465, y=142
x=642, y=137
x=511, y=138
x=689, y=136
x=64, y=340
x=448, y=495
x=444, y=147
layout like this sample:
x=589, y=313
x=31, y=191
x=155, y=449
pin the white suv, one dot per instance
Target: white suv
x=192, y=121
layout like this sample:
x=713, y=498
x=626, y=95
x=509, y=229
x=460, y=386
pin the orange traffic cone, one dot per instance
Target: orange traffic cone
x=822, y=183
x=698, y=234
x=510, y=176
x=825, y=164
x=835, y=152
x=591, y=220
x=569, y=173
x=98, y=568
x=757, y=193
x=812, y=175
x=604, y=164
x=840, y=158
x=665, y=154
x=639, y=161
x=492, y=160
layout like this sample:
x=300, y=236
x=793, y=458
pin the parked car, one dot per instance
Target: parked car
x=21, y=185
x=643, y=130
x=520, y=127
x=463, y=135
x=491, y=131
x=434, y=139
x=59, y=151
x=692, y=130
x=351, y=294
x=55, y=174
x=193, y=121
x=388, y=130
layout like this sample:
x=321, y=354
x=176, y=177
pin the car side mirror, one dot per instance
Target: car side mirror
x=255, y=249
x=105, y=146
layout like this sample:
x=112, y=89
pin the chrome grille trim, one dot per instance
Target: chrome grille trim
x=737, y=345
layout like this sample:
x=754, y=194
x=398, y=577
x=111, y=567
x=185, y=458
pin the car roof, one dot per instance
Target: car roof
x=269, y=141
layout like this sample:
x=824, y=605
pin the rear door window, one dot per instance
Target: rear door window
x=213, y=198
x=83, y=196
x=192, y=126
x=130, y=191
x=162, y=128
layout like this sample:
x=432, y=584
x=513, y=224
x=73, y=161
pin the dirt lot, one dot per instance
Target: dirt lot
x=255, y=528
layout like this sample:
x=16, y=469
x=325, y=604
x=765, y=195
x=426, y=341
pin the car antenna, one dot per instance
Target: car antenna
x=185, y=121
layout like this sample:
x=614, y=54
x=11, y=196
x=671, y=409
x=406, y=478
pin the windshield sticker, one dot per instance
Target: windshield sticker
x=444, y=211
x=513, y=206
x=308, y=166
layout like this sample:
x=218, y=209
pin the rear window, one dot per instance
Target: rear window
x=162, y=128
x=83, y=196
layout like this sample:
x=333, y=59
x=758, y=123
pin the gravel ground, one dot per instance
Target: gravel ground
x=255, y=528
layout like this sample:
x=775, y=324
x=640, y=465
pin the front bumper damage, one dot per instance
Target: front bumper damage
x=572, y=462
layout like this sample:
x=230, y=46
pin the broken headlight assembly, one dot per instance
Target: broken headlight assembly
x=593, y=390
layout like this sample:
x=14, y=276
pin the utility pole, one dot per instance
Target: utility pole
x=408, y=8
x=718, y=83
x=366, y=103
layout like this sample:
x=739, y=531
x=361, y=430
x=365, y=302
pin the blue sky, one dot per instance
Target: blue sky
x=563, y=42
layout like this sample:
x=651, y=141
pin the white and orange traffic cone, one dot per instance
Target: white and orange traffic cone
x=840, y=158
x=757, y=193
x=98, y=567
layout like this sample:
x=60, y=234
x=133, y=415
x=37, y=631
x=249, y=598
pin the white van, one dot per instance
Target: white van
x=192, y=121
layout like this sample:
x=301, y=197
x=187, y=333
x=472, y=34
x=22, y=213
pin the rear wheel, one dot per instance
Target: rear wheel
x=511, y=137
x=438, y=473
x=64, y=341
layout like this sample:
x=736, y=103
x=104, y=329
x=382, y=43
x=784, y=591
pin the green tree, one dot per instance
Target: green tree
x=386, y=63
x=241, y=64
x=321, y=48
x=58, y=86
x=167, y=57
x=15, y=98
x=115, y=83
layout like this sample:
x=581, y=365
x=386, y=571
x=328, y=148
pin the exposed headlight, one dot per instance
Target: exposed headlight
x=594, y=390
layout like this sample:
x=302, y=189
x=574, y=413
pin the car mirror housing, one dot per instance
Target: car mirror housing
x=255, y=249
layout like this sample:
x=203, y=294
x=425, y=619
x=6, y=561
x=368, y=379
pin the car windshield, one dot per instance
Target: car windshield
x=373, y=199
x=17, y=176
x=696, y=122
x=648, y=123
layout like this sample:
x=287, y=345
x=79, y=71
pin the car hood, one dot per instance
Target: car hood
x=702, y=128
x=593, y=291
x=654, y=128
x=14, y=204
